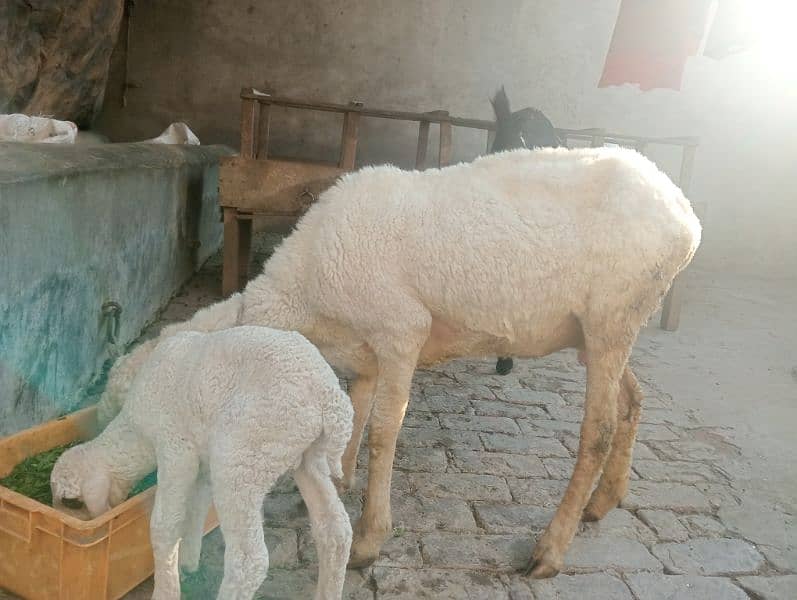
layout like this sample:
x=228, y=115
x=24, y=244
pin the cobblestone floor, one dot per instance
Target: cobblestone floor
x=481, y=465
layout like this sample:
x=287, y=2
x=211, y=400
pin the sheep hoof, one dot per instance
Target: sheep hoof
x=360, y=561
x=545, y=561
x=504, y=366
x=540, y=570
x=598, y=507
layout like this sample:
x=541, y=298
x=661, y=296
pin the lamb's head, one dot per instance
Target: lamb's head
x=83, y=485
x=526, y=128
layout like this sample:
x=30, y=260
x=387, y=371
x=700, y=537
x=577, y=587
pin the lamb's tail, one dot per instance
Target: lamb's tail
x=338, y=415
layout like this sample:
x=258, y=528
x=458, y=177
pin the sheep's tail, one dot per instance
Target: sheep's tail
x=337, y=418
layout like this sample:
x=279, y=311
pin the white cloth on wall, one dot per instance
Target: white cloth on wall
x=23, y=128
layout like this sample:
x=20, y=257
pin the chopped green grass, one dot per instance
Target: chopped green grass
x=31, y=477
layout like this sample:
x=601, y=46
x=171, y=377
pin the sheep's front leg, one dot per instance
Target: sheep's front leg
x=597, y=430
x=329, y=523
x=613, y=483
x=176, y=478
x=391, y=398
x=194, y=525
x=362, y=398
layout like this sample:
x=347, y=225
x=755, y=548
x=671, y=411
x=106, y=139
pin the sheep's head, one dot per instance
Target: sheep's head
x=526, y=128
x=83, y=485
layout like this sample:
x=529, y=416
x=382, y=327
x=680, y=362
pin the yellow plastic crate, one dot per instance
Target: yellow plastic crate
x=47, y=555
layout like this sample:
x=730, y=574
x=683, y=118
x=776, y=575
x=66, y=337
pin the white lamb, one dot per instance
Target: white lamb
x=223, y=415
x=520, y=253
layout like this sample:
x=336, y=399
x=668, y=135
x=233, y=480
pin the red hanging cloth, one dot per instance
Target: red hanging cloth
x=652, y=41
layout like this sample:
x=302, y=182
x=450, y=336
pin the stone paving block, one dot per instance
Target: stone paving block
x=681, y=471
x=399, y=550
x=694, y=450
x=477, y=423
x=433, y=584
x=458, y=390
x=548, y=427
x=720, y=495
x=439, y=438
x=460, y=485
x=527, y=396
x=282, y=584
x=783, y=559
x=417, y=403
x=512, y=518
x=607, y=552
x=282, y=547
x=668, y=496
x=642, y=452
x=498, y=463
x=649, y=431
x=284, y=510
x=573, y=414
x=497, y=408
x=524, y=444
x=485, y=552
x=421, y=459
x=619, y=523
x=704, y=526
x=649, y=586
x=710, y=556
x=559, y=468
x=665, y=524
x=421, y=419
x=448, y=404
x=538, y=492
x=415, y=513
x=594, y=586
x=782, y=587
x=676, y=418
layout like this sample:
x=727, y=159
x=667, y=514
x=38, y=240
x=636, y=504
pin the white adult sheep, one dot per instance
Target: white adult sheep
x=520, y=253
x=223, y=415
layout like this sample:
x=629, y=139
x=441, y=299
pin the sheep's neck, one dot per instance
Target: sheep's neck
x=130, y=457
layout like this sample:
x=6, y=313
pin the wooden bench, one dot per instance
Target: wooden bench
x=255, y=184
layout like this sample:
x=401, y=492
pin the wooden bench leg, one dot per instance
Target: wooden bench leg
x=671, y=307
x=244, y=248
x=230, y=275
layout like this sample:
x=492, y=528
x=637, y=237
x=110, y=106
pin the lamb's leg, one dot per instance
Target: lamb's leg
x=362, y=398
x=241, y=477
x=194, y=526
x=604, y=367
x=613, y=483
x=390, y=403
x=329, y=523
x=176, y=478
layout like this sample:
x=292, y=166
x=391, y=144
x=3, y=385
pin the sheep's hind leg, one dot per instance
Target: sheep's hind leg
x=329, y=523
x=604, y=367
x=362, y=398
x=240, y=483
x=397, y=355
x=176, y=478
x=194, y=526
x=613, y=483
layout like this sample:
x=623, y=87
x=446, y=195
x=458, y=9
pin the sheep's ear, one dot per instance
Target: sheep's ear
x=500, y=104
x=97, y=492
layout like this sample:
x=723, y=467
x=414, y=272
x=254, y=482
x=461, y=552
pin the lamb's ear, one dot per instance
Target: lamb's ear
x=97, y=492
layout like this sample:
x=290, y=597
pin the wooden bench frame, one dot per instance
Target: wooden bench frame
x=252, y=183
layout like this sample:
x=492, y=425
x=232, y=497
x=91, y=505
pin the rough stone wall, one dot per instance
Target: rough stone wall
x=54, y=56
x=188, y=61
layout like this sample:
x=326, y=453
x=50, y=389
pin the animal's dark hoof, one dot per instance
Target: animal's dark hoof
x=504, y=366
